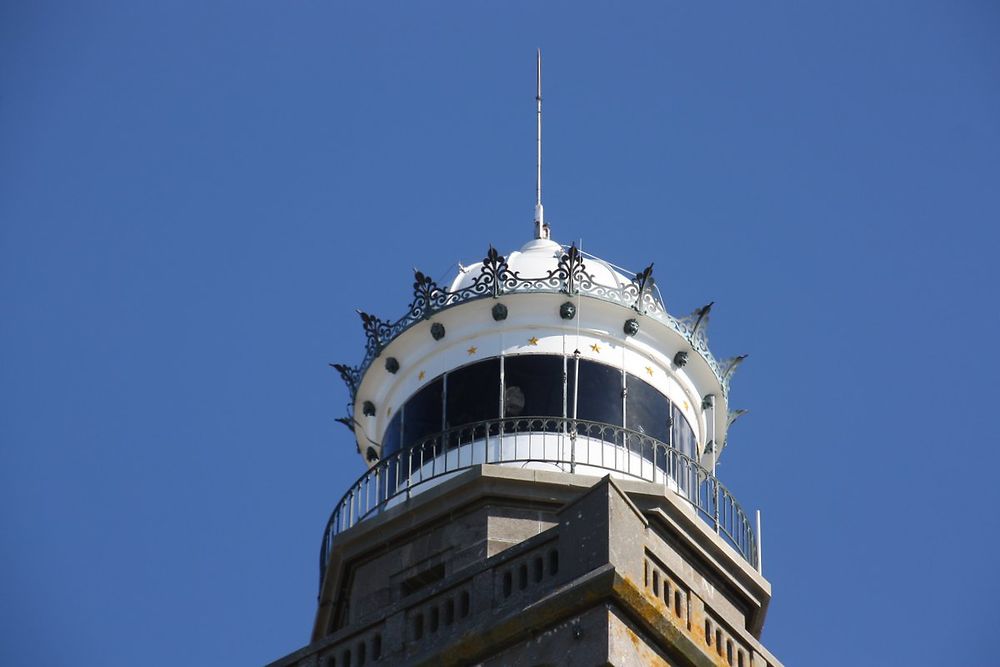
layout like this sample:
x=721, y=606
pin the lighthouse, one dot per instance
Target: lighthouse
x=539, y=439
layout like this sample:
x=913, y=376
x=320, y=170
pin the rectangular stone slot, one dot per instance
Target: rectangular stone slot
x=422, y=580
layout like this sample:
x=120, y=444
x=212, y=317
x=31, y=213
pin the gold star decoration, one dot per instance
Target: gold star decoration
x=649, y=369
x=421, y=375
x=596, y=348
x=472, y=350
x=686, y=406
x=533, y=341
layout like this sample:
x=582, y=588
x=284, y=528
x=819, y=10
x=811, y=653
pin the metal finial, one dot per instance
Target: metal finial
x=541, y=229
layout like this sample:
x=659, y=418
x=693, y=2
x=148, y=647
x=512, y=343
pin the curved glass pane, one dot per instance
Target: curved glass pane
x=391, y=437
x=647, y=410
x=600, y=389
x=473, y=396
x=422, y=413
x=473, y=393
x=684, y=439
x=533, y=386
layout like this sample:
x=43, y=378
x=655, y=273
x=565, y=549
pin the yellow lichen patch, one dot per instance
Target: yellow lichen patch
x=643, y=650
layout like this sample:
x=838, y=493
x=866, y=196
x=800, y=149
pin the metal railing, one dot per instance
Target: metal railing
x=571, y=445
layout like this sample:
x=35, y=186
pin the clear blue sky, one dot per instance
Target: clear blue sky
x=194, y=198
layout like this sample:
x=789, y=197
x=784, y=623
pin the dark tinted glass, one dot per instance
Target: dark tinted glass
x=647, y=410
x=600, y=392
x=684, y=439
x=473, y=393
x=533, y=386
x=391, y=437
x=422, y=413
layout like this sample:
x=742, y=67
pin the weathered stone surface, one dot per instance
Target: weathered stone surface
x=505, y=566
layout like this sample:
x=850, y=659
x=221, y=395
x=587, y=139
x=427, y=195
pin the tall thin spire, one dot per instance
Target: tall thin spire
x=541, y=229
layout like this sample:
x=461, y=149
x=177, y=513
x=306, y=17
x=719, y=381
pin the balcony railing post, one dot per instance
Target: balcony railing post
x=715, y=486
x=409, y=472
x=572, y=446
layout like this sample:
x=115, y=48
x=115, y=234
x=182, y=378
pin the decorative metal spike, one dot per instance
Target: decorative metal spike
x=346, y=421
x=572, y=270
x=701, y=318
x=494, y=273
x=376, y=330
x=729, y=366
x=733, y=416
x=643, y=282
x=424, y=292
x=351, y=377
x=570, y=276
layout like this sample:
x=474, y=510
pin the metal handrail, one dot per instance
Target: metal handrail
x=563, y=441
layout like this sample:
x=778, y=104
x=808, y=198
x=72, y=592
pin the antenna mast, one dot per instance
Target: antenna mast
x=541, y=229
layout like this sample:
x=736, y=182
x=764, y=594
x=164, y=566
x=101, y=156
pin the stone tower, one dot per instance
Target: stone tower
x=540, y=437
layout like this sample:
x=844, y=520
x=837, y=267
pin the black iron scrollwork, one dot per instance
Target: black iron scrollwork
x=378, y=332
x=427, y=296
x=733, y=415
x=351, y=377
x=701, y=318
x=729, y=366
x=570, y=276
x=641, y=285
x=573, y=271
x=694, y=328
x=493, y=276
